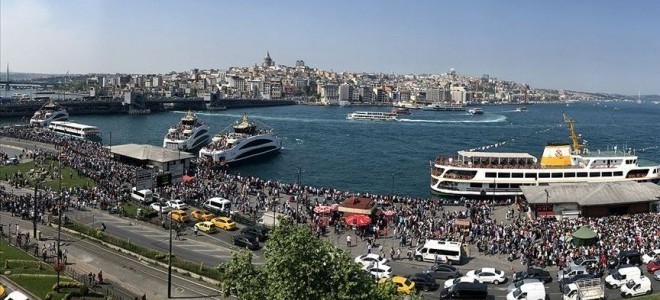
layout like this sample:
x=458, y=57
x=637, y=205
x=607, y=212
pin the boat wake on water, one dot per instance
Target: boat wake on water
x=471, y=120
x=270, y=118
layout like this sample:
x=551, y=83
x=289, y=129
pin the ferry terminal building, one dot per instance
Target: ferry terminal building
x=592, y=199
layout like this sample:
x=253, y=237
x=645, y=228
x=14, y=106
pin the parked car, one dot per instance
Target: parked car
x=202, y=215
x=258, y=231
x=403, y=285
x=179, y=216
x=371, y=259
x=636, y=287
x=379, y=271
x=570, y=272
x=206, y=226
x=653, y=266
x=651, y=255
x=224, y=223
x=517, y=284
x=656, y=275
x=628, y=257
x=534, y=273
x=488, y=275
x=585, y=261
x=424, y=282
x=177, y=204
x=443, y=271
x=245, y=241
x=160, y=207
x=450, y=282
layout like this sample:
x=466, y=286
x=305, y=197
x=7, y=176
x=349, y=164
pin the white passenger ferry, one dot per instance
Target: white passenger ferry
x=443, y=107
x=372, y=115
x=502, y=174
x=190, y=134
x=243, y=143
x=76, y=130
x=49, y=112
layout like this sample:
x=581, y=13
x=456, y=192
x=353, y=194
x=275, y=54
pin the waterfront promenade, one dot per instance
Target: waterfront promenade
x=521, y=239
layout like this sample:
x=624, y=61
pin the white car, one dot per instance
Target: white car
x=177, y=204
x=656, y=275
x=380, y=271
x=369, y=259
x=488, y=275
x=450, y=282
x=649, y=256
x=160, y=207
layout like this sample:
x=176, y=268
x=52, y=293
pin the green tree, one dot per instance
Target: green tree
x=300, y=266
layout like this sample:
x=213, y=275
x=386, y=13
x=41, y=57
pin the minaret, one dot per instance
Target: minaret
x=7, y=75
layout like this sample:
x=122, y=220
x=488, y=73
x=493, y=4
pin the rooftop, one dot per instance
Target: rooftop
x=590, y=194
x=149, y=152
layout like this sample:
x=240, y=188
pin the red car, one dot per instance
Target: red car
x=653, y=266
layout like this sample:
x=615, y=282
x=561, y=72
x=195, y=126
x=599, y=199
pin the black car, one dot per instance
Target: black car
x=465, y=290
x=424, y=282
x=628, y=257
x=533, y=273
x=261, y=233
x=564, y=282
x=443, y=271
x=247, y=241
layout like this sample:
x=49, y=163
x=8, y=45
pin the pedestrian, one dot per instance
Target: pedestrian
x=348, y=241
x=392, y=253
x=196, y=230
x=398, y=254
x=368, y=248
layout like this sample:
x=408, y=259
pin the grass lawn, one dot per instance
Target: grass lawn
x=131, y=209
x=649, y=297
x=41, y=286
x=70, y=177
x=10, y=252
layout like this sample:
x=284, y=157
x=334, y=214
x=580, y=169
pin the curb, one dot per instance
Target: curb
x=20, y=288
x=142, y=258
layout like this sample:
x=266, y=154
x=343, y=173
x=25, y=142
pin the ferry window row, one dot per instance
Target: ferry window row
x=554, y=175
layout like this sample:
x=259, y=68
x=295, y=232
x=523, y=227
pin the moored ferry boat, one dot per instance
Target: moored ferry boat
x=502, y=174
x=372, y=115
x=189, y=135
x=76, y=130
x=244, y=142
x=49, y=112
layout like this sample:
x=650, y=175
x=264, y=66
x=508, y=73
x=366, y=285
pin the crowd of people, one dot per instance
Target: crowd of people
x=414, y=220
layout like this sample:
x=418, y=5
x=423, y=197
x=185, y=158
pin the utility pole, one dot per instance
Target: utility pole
x=169, y=266
x=34, y=218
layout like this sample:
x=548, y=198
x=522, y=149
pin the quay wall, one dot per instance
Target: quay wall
x=117, y=106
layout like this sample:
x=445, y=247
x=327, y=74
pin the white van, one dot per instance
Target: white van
x=16, y=295
x=143, y=196
x=637, y=286
x=218, y=205
x=621, y=276
x=271, y=219
x=528, y=291
x=443, y=251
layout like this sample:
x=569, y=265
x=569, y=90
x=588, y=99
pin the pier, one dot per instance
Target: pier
x=108, y=105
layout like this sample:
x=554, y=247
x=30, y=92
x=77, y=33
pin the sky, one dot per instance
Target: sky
x=596, y=46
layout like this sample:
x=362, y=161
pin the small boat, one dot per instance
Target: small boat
x=371, y=115
x=521, y=109
x=476, y=111
x=344, y=103
x=400, y=110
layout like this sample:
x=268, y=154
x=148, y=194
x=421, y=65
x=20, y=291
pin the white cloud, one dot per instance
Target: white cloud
x=35, y=38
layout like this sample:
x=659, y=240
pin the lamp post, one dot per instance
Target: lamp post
x=169, y=266
x=60, y=209
x=34, y=217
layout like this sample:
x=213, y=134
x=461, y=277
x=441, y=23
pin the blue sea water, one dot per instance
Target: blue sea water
x=385, y=157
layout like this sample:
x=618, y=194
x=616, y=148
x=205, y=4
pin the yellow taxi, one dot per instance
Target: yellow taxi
x=206, y=226
x=179, y=216
x=403, y=285
x=202, y=215
x=224, y=223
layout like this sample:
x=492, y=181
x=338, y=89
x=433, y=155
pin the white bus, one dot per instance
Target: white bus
x=76, y=130
x=440, y=251
x=144, y=196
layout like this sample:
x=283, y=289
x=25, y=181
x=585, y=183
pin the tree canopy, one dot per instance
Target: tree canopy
x=299, y=266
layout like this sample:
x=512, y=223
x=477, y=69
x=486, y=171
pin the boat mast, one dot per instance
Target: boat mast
x=574, y=136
